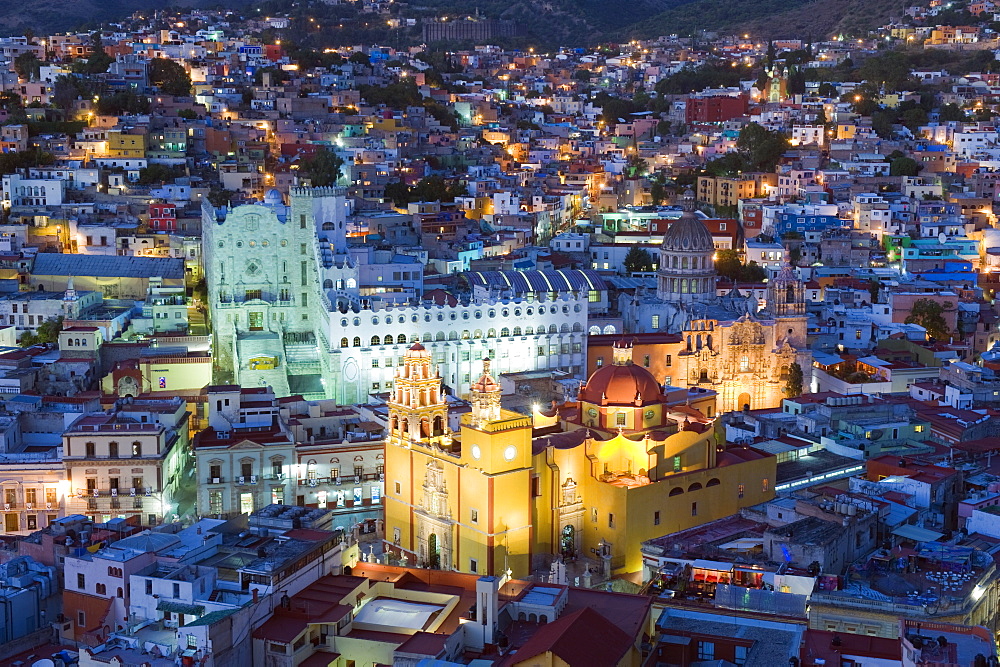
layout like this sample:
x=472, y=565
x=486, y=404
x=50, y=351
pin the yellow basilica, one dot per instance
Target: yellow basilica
x=594, y=478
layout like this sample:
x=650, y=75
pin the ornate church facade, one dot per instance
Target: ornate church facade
x=509, y=491
x=728, y=344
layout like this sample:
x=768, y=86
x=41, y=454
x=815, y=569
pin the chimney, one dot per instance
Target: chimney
x=256, y=595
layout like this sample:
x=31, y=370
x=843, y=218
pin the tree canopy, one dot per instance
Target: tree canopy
x=170, y=77
x=930, y=315
x=322, y=168
x=638, y=259
x=728, y=264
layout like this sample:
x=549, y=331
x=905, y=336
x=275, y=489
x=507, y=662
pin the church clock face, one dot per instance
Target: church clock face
x=592, y=412
x=476, y=452
x=510, y=453
x=650, y=414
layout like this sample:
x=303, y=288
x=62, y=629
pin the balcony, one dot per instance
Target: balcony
x=108, y=492
x=215, y=480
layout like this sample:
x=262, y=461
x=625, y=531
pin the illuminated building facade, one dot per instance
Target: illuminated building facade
x=598, y=477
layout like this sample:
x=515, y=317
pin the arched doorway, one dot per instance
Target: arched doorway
x=567, y=541
x=438, y=425
x=433, y=553
x=743, y=402
x=425, y=430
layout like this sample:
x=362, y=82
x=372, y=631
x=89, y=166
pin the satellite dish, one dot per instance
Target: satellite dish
x=44, y=662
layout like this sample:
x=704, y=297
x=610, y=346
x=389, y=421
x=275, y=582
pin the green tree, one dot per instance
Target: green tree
x=904, y=166
x=657, y=191
x=914, y=118
x=582, y=75
x=827, y=89
x=930, y=315
x=951, y=112
x=99, y=60
x=398, y=192
x=728, y=264
x=322, y=168
x=219, y=197
x=27, y=66
x=882, y=122
x=663, y=128
x=122, y=102
x=170, y=77
x=46, y=333
x=187, y=114
x=156, y=173
x=359, y=58
x=889, y=70
x=793, y=383
x=638, y=259
x=874, y=288
x=761, y=148
x=635, y=167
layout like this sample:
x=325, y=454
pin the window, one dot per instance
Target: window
x=656, y=518
x=764, y=485
x=600, y=362
x=620, y=419
x=398, y=487
x=215, y=502
x=668, y=361
x=473, y=566
x=611, y=520
x=677, y=464
x=81, y=581
x=101, y=589
x=645, y=361
x=136, y=448
x=113, y=450
x=90, y=449
x=694, y=509
x=740, y=490
x=475, y=516
x=706, y=651
x=656, y=322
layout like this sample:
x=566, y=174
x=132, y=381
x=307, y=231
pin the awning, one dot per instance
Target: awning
x=712, y=565
x=180, y=607
x=917, y=534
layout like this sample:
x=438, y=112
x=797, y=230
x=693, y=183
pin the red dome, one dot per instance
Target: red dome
x=621, y=385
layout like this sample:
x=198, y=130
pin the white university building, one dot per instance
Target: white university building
x=284, y=316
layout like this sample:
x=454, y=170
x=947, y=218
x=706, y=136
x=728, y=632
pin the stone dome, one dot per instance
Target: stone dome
x=688, y=233
x=621, y=383
x=273, y=198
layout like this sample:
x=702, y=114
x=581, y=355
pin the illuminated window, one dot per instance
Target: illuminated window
x=764, y=485
x=620, y=419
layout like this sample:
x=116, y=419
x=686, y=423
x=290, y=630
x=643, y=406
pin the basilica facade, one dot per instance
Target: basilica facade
x=728, y=344
x=596, y=477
